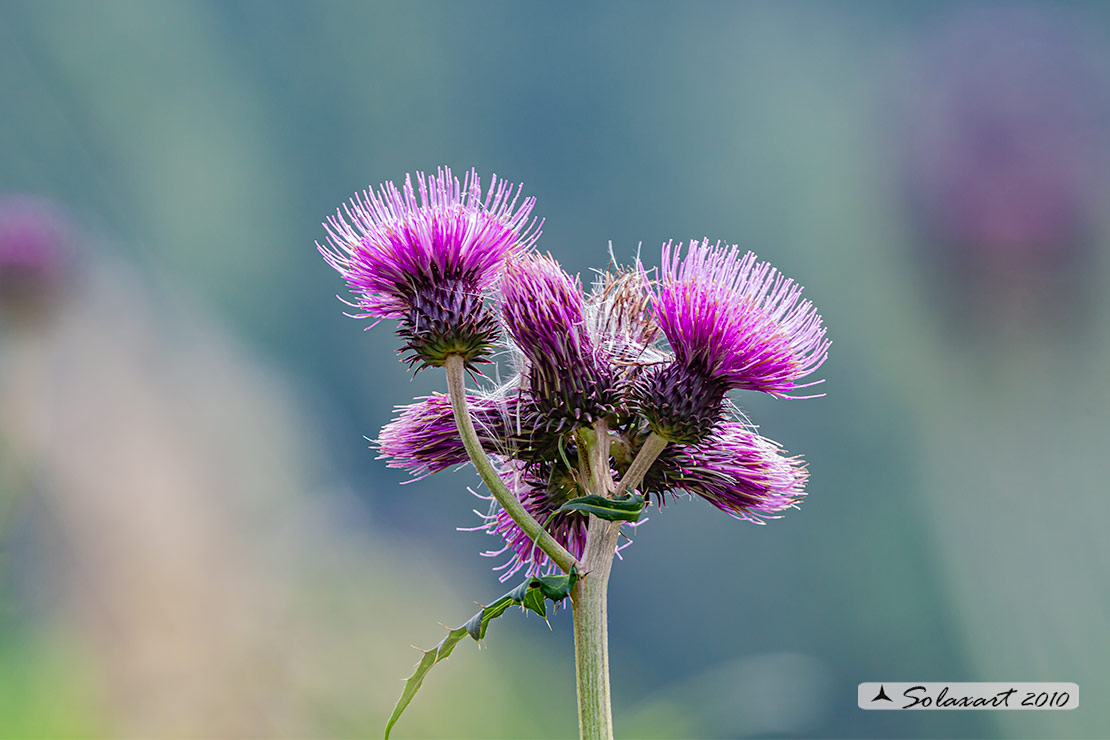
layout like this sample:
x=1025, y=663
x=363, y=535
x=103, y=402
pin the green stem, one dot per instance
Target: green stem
x=590, y=595
x=590, y=601
x=456, y=388
x=653, y=445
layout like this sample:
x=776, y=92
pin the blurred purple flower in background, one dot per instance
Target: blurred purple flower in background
x=35, y=243
x=1006, y=148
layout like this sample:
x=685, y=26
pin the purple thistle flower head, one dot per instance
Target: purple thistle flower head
x=35, y=240
x=737, y=319
x=428, y=260
x=423, y=439
x=544, y=311
x=732, y=322
x=740, y=472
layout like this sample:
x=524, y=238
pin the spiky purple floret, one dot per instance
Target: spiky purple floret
x=427, y=260
x=542, y=307
x=736, y=470
x=733, y=318
x=388, y=244
x=423, y=439
x=541, y=500
x=544, y=311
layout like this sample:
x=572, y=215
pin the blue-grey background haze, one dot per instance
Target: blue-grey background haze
x=954, y=525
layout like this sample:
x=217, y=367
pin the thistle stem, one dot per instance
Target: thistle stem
x=590, y=595
x=456, y=388
x=653, y=446
x=590, y=602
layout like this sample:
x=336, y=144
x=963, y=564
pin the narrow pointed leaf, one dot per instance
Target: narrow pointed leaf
x=531, y=595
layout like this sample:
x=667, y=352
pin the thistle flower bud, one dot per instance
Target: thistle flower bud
x=567, y=377
x=429, y=262
x=423, y=439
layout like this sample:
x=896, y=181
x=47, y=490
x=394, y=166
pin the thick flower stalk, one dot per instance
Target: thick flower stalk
x=428, y=260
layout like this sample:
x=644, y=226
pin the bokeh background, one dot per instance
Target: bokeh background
x=196, y=541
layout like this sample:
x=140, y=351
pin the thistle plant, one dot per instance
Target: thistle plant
x=607, y=400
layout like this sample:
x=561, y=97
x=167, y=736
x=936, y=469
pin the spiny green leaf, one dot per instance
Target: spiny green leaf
x=556, y=587
x=534, y=601
x=531, y=595
x=626, y=509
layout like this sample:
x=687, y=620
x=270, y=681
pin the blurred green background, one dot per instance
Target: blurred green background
x=197, y=541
